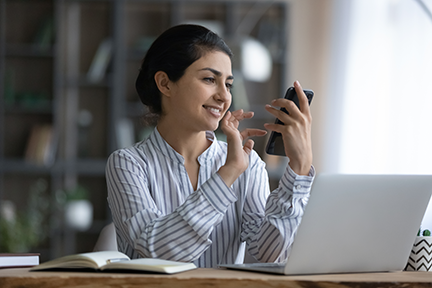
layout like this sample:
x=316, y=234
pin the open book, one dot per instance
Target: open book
x=113, y=260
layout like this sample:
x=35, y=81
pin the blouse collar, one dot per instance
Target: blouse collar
x=159, y=142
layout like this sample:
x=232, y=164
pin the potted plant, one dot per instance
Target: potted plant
x=420, y=258
x=21, y=231
x=78, y=209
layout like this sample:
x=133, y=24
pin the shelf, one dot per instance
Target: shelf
x=86, y=1
x=93, y=166
x=29, y=50
x=47, y=83
x=82, y=167
x=29, y=109
x=82, y=81
x=22, y=167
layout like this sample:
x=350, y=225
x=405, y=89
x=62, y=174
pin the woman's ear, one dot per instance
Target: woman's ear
x=163, y=83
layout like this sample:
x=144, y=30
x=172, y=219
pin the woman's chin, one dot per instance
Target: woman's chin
x=212, y=126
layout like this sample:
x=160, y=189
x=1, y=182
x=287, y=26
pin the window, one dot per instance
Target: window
x=386, y=115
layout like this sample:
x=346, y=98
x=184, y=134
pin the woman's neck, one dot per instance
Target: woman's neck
x=189, y=144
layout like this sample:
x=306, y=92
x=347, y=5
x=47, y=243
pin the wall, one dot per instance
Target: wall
x=309, y=54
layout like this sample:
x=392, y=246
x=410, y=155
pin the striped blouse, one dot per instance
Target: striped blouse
x=157, y=213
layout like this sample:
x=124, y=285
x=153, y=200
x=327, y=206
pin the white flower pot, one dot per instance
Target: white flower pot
x=79, y=214
x=420, y=258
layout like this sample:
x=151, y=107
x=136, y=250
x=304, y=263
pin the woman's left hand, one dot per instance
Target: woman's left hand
x=296, y=131
x=238, y=153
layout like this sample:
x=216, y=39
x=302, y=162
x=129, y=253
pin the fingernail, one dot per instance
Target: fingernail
x=297, y=83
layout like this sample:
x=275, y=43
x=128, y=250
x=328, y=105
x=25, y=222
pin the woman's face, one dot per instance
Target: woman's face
x=201, y=97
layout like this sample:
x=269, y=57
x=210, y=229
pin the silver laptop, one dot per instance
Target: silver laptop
x=356, y=223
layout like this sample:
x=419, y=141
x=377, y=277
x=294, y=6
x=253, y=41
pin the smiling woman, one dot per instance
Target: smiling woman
x=203, y=93
x=183, y=195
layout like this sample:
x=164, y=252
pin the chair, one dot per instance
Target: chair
x=107, y=240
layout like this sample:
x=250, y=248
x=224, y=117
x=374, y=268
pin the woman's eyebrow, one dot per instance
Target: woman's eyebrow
x=217, y=73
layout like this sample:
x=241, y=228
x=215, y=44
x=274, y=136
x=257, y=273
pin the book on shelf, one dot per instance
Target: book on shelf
x=112, y=261
x=45, y=35
x=40, y=146
x=100, y=62
x=18, y=260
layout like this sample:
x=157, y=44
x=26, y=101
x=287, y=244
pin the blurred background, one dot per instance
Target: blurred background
x=67, y=98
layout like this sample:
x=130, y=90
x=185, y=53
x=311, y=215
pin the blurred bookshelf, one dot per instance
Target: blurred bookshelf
x=70, y=66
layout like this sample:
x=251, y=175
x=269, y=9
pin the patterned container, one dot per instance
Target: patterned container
x=420, y=258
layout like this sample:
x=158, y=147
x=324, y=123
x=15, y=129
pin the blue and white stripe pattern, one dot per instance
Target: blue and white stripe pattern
x=157, y=213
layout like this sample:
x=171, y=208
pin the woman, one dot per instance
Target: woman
x=181, y=194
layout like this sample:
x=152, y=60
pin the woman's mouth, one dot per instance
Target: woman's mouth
x=213, y=110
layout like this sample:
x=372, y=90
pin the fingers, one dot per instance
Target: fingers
x=278, y=113
x=248, y=146
x=275, y=127
x=303, y=100
x=293, y=110
x=252, y=132
x=225, y=119
x=229, y=124
x=233, y=119
x=240, y=115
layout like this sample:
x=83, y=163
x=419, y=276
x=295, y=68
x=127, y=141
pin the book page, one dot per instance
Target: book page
x=102, y=258
x=150, y=264
x=85, y=260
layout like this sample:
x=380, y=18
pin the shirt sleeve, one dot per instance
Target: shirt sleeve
x=269, y=228
x=181, y=235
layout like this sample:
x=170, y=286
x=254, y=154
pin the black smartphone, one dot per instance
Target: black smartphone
x=275, y=144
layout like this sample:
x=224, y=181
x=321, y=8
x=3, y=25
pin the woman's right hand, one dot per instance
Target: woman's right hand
x=238, y=154
x=296, y=130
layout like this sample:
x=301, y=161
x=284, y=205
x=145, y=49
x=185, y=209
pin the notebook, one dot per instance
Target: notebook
x=355, y=223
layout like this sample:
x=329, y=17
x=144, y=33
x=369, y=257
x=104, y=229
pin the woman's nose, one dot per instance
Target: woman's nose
x=223, y=94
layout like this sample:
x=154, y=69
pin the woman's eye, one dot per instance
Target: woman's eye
x=209, y=79
x=229, y=86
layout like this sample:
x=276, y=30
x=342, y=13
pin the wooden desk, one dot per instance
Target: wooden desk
x=213, y=278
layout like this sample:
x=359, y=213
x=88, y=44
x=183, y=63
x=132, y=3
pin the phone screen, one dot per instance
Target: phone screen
x=275, y=144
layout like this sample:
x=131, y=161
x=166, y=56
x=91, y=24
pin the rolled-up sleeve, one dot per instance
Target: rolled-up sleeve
x=269, y=230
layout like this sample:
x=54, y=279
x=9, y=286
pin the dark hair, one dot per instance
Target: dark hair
x=173, y=52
